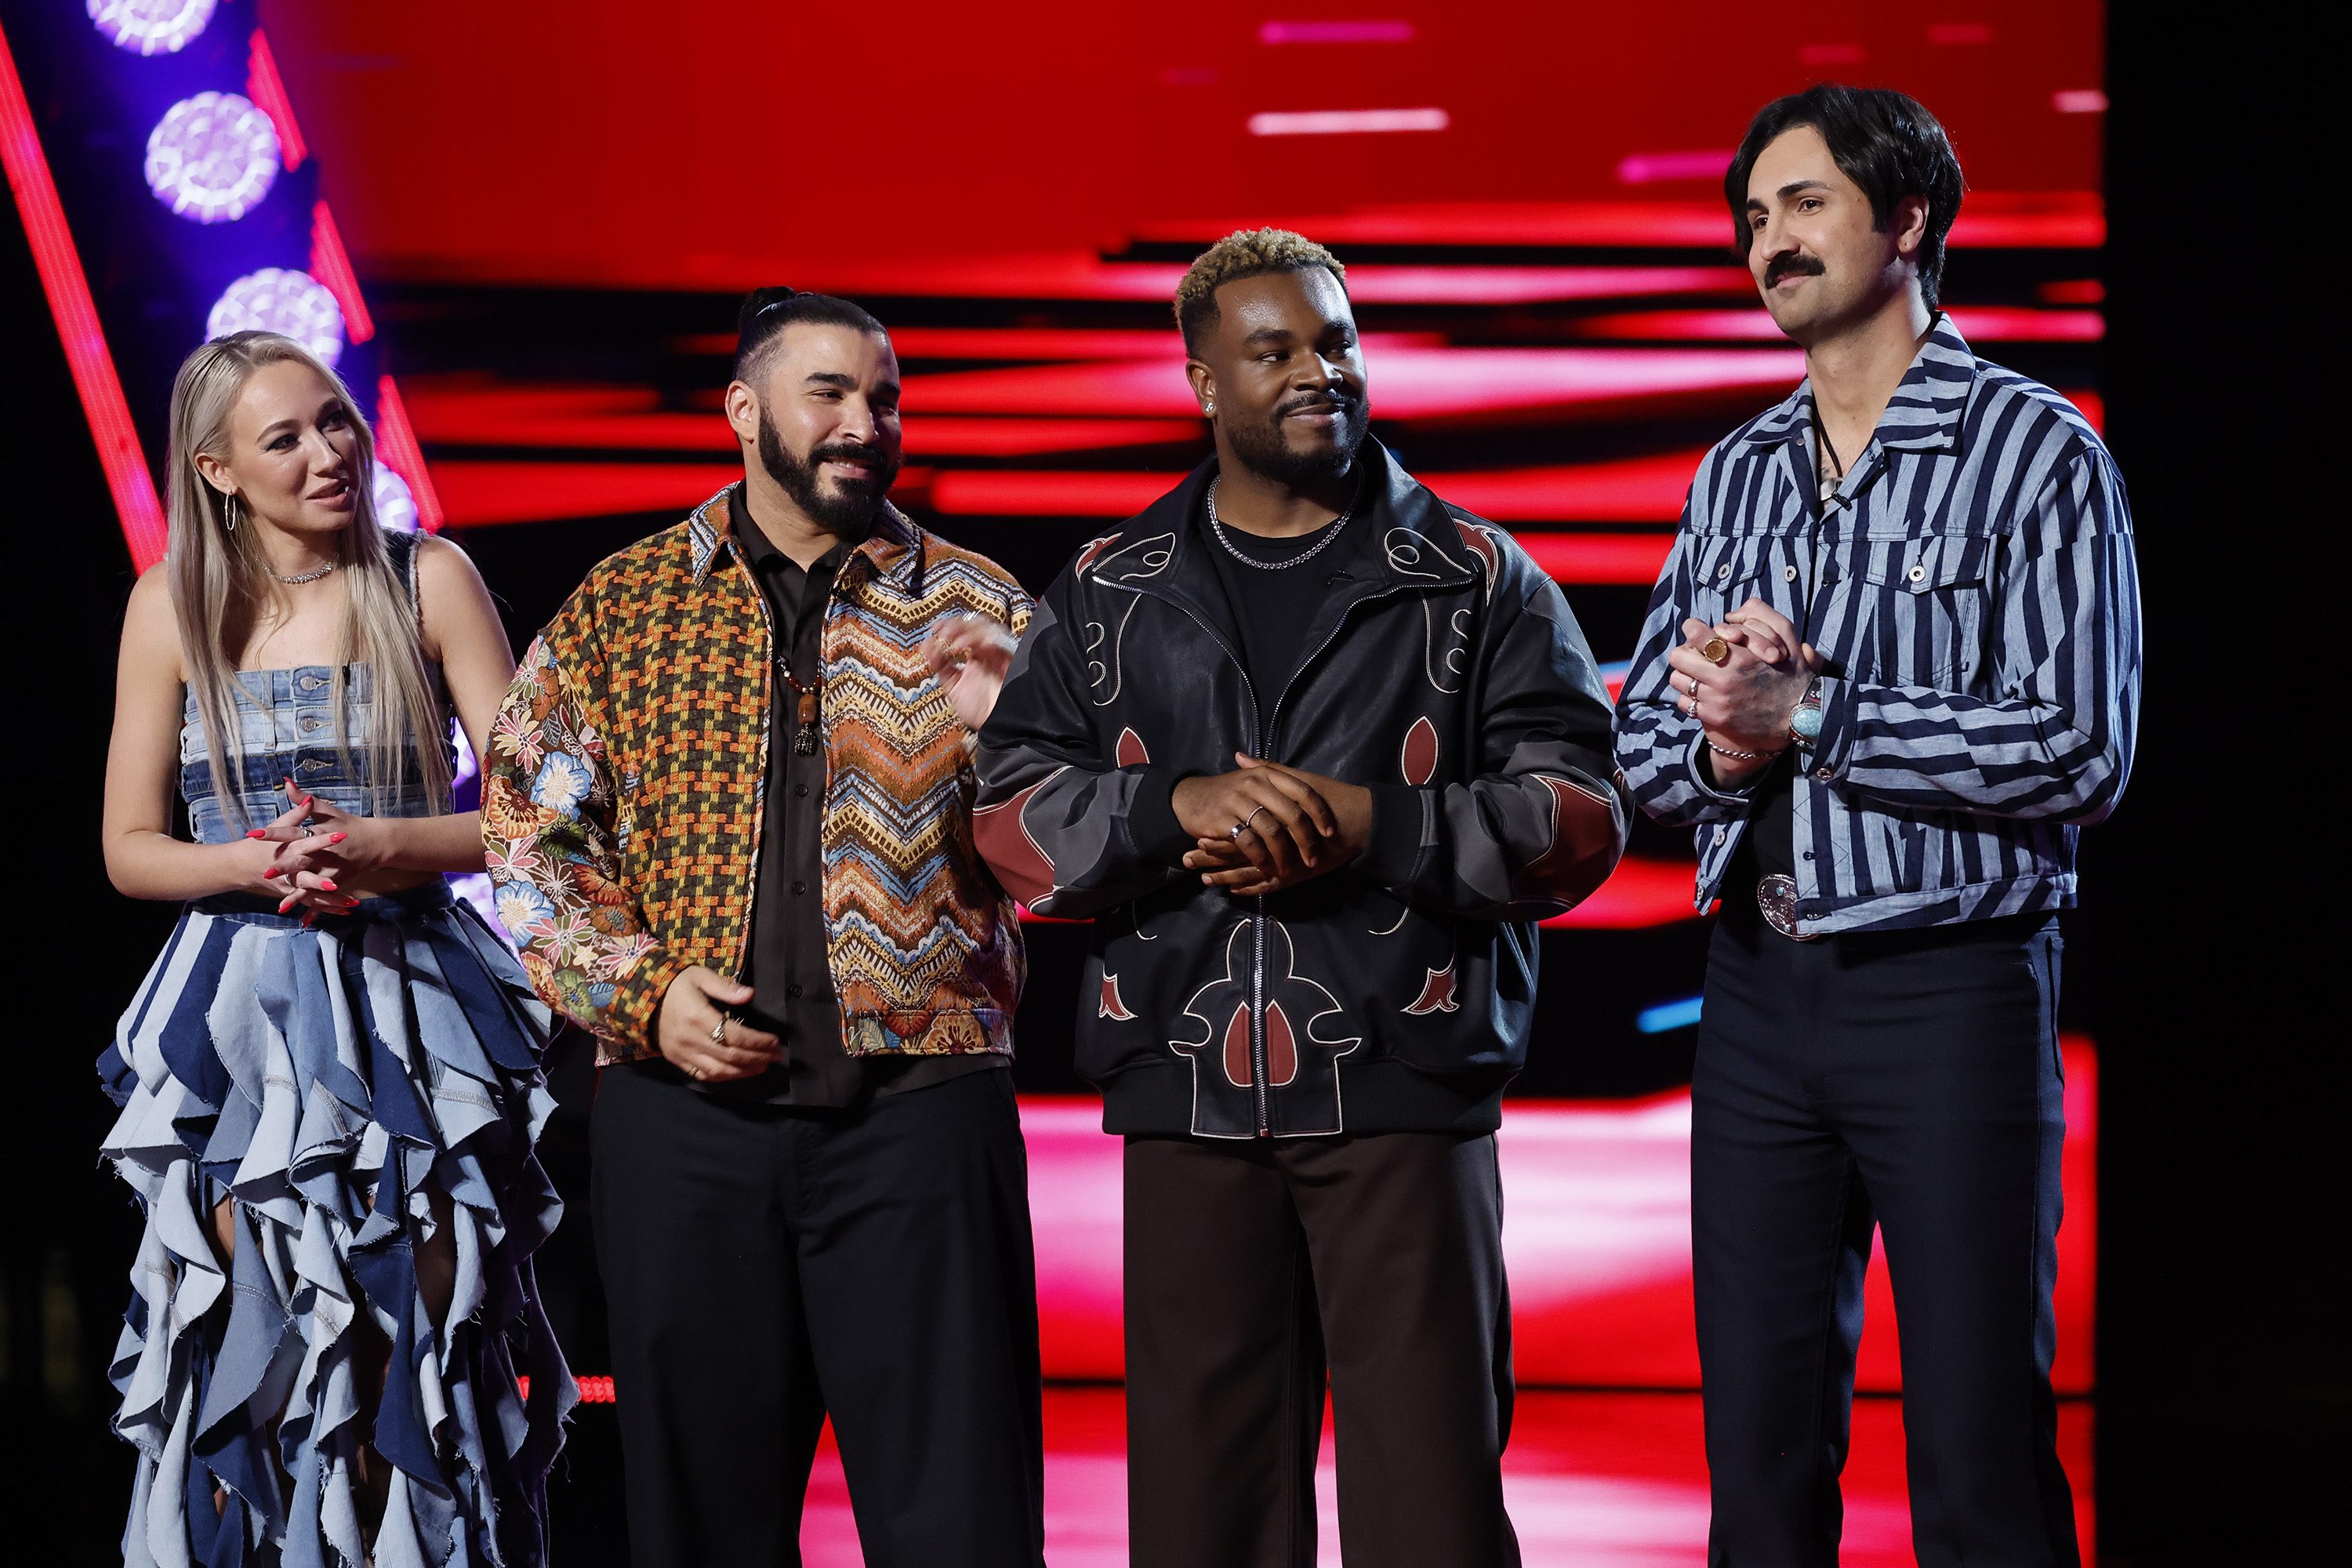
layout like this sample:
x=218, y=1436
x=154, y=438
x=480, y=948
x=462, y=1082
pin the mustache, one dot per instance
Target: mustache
x=842, y=452
x=1795, y=264
x=1315, y=403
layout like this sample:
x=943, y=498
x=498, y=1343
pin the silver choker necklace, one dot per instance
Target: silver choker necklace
x=307, y=576
x=1331, y=530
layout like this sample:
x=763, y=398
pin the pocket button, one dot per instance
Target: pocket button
x=1787, y=574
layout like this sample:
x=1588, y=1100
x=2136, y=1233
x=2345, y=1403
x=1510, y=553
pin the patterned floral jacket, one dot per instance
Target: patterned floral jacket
x=622, y=799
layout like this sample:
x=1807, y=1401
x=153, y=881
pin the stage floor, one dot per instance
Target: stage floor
x=1593, y=1480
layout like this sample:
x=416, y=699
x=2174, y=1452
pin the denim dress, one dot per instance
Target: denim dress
x=318, y=1075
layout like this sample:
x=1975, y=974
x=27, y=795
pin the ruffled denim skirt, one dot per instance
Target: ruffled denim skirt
x=319, y=1077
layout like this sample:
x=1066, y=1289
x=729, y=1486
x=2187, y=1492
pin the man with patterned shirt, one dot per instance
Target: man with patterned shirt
x=728, y=810
x=1891, y=668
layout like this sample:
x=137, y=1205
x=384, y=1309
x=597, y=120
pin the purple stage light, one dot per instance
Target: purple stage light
x=281, y=300
x=212, y=158
x=150, y=27
x=395, y=507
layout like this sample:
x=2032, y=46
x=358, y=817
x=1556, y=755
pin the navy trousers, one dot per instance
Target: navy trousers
x=1909, y=1081
x=766, y=1265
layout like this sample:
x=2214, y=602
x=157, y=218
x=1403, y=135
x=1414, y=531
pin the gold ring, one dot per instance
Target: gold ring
x=1715, y=650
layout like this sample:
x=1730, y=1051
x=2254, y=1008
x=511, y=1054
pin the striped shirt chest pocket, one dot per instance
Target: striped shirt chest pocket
x=1727, y=573
x=1921, y=610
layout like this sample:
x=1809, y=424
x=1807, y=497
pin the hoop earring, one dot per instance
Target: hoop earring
x=230, y=512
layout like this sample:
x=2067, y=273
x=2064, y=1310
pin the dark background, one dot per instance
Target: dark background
x=2224, y=1387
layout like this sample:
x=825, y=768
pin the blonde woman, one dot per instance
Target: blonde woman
x=330, y=1080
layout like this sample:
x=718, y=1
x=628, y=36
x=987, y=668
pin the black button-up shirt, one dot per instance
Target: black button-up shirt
x=790, y=976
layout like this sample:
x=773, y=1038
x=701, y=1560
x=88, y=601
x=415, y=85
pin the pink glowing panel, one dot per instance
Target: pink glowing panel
x=1640, y=893
x=212, y=157
x=281, y=300
x=2080, y=101
x=1596, y=1235
x=1374, y=32
x=1592, y=1480
x=1406, y=384
x=1647, y=168
x=1075, y=1211
x=1979, y=323
x=1346, y=121
x=150, y=27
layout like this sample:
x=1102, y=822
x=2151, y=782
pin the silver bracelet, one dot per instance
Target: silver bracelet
x=1743, y=756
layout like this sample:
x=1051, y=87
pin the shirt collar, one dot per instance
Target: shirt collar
x=1923, y=415
x=894, y=548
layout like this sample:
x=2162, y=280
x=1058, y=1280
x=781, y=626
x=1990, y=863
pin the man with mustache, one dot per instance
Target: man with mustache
x=726, y=809
x=1890, y=669
x=1316, y=750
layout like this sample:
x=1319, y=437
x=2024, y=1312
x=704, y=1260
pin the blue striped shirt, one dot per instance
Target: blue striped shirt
x=1972, y=589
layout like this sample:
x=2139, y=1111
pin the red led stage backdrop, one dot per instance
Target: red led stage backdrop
x=729, y=144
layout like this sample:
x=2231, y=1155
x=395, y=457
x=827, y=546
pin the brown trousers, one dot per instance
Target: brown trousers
x=1253, y=1266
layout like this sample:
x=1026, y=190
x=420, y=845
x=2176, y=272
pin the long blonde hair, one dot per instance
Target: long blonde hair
x=221, y=579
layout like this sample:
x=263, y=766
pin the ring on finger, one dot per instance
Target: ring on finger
x=1715, y=650
x=718, y=1031
x=1252, y=818
x=1238, y=829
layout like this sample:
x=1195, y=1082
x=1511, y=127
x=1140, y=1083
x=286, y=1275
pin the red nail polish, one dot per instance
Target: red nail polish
x=329, y=886
x=254, y=833
x=337, y=838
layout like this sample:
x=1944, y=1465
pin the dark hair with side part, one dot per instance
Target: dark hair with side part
x=766, y=312
x=1884, y=142
x=1245, y=253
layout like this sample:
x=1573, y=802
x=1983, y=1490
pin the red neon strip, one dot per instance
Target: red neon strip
x=1626, y=559
x=331, y=264
x=79, y=329
x=267, y=91
x=1981, y=323
x=494, y=492
x=2056, y=220
x=398, y=441
x=1639, y=894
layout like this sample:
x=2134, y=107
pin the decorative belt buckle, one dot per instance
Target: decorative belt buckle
x=1776, y=895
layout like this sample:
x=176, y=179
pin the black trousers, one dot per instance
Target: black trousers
x=1251, y=1266
x=1912, y=1081
x=764, y=1265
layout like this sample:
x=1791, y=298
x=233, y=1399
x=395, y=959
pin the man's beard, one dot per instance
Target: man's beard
x=849, y=509
x=1264, y=449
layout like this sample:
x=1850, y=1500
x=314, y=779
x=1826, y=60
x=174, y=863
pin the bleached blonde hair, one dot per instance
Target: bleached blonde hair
x=220, y=578
x=1245, y=253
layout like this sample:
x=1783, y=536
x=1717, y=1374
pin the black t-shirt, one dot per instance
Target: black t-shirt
x=1276, y=603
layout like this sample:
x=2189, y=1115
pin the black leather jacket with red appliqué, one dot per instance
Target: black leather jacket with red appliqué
x=1444, y=671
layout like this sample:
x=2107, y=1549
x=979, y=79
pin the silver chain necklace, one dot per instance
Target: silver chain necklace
x=307, y=576
x=1331, y=530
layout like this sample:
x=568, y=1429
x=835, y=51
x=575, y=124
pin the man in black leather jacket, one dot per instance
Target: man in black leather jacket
x=1316, y=751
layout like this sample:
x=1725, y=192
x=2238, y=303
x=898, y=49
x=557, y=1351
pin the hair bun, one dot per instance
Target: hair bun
x=760, y=300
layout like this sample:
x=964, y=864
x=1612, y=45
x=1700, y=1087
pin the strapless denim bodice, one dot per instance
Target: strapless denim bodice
x=287, y=731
